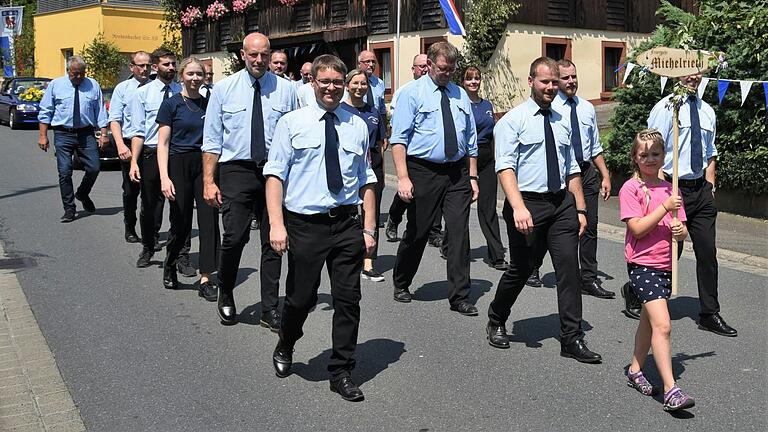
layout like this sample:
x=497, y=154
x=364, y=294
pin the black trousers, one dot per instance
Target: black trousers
x=702, y=217
x=377, y=164
x=556, y=224
x=186, y=172
x=437, y=186
x=486, y=203
x=242, y=191
x=397, y=210
x=590, y=184
x=338, y=243
x=131, y=192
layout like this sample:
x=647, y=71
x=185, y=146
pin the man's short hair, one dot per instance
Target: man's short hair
x=278, y=52
x=138, y=53
x=328, y=61
x=565, y=63
x=75, y=60
x=444, y=49
x=546, y=61
x=160, y=53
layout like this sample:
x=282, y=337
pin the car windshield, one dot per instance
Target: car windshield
x=20, y=86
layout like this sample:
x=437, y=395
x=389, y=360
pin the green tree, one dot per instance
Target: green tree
x=171, y=25
x=104, y=61
x=486, y=22
x=740, y=29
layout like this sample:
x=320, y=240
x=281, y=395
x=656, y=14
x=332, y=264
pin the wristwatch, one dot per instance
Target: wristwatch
x=473, y=177
x=370, y=233
x=582, y=211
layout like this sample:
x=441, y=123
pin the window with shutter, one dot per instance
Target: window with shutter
x=615, y=14
x=339, y=12
x=378, y=16
x=559, y=12
x=431, y=15
x=302, y=14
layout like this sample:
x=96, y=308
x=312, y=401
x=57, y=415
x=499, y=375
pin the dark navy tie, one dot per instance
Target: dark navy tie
x=332, y=167
x=553, y=167
x=449, y=128
x=166, y=92
x=76, y=109
x=576, y=133
x=697, y=161
x=369, y=95
x=258, y=146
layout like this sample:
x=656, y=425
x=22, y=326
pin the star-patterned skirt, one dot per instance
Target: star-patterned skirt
x=650, y=283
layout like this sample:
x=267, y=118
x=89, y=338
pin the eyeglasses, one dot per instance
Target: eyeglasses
x=325, y=83
x=140, y=66
x=369, y=61
x=448, y=70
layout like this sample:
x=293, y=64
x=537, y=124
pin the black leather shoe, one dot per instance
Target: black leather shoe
x=68, y=216
x=578, y=350
x=144, y=257
x=403, y=296
x=498, y=265
x=184, y=266
x=435, y=240
x=226, y=308
x=271, y=320
x=208, y=290
x=170, y=279
x=347, y=388
x=497, y=336
x=391, y=231
x=131, y=236
x=632, y=305
x=533, y=279
x=158, y=247
x=465, y=308
x=254, y=224
x=716, y=324
x=596, y=290
x=88, y=204
x=282, y=359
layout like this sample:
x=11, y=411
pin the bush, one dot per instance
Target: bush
x=740, y=29
x=104, y=61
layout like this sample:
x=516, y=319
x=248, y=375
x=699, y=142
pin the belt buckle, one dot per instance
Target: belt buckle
x=334, y=212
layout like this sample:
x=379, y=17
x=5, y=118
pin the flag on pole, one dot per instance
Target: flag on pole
x=452, y=18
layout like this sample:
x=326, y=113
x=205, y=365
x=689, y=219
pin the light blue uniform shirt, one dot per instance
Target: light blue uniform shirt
x=297, y=157
x=396, y=95
x=57, y=105
x=417, y=122
x=590, y=136
x=144, y=105
x=661, y=119
x=305, y=95
x=119, y=106
x=519, y=138
x=227, y=131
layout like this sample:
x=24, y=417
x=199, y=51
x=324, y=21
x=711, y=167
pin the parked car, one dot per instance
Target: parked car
x=14, y=110
x=108, y=155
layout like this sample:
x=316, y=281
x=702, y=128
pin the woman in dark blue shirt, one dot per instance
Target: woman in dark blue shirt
x=180, y=163
x=357, y=87
x=486, y=173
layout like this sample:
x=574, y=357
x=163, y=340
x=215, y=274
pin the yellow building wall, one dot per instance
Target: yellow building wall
x=130, y=29
x=505, y=79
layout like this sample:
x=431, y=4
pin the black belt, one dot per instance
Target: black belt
x=334, y=213
x=149, y=150
x=686, y=183
x=544, y=196
x=247, y=163
x=584, y=166
x=72, y=130
x=437, y=165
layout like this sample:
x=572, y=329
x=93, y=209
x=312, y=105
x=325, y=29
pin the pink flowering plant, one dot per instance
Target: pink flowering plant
x=216, y=10
x=239, y=6
x=190, y=16
x=289, y=2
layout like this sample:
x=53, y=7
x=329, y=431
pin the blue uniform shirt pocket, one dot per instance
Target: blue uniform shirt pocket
x=234, y=116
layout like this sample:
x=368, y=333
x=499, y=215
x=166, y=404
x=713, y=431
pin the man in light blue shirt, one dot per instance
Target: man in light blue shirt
x=73, y=107
x=585, y=140
x=119, y=119
x=318, y=169
x=544, y=208
x=367, y=62
x=144, y=130
x=243, y=110
x=696, y=170
x=434, y=147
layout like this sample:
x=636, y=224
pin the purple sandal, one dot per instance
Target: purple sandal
x=675, y=400
x=637, y=381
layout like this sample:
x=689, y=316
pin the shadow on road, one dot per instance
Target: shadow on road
x=103, y=211
x=28, y=190
x=683, y=307
x=373, y=357
x=438, y=290
x=252, y=314
x=532, y=331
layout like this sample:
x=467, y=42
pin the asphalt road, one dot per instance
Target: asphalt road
x=137, y=357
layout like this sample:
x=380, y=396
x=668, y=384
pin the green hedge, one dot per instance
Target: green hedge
x=740, y=29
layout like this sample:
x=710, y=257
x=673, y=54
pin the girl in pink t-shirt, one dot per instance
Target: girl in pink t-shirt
x=645, y=204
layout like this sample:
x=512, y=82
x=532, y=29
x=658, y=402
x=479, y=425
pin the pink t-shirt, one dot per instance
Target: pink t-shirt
x=655, y=249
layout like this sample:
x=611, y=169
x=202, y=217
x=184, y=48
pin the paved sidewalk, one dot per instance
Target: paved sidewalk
x=33, y=396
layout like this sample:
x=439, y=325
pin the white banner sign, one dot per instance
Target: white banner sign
x=11, y=18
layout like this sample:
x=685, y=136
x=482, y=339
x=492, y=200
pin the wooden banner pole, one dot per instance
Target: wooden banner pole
x=675, y=154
